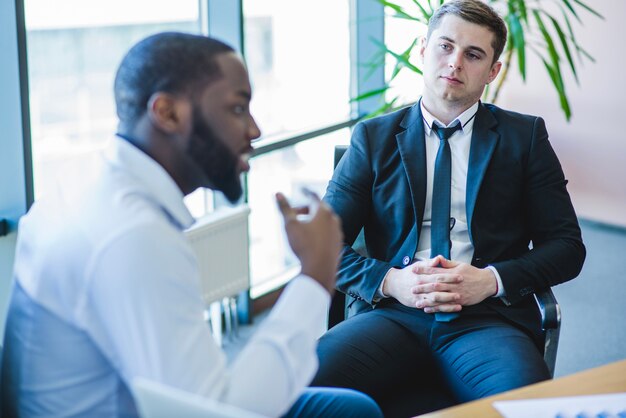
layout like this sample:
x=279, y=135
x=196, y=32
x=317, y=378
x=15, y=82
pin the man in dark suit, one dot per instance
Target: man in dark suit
x=466, y=215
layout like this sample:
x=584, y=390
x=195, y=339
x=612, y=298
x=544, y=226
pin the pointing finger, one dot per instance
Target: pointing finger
x=286, y=210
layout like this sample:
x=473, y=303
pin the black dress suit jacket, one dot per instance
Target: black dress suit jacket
x=516, y=198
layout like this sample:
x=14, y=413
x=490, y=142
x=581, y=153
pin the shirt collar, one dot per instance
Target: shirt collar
x=466, y=118
x=157, y=182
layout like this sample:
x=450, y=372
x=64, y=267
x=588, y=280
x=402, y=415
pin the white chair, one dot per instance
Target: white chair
x=156, y=400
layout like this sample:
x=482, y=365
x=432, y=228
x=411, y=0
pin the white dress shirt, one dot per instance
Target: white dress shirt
x=107, y=269
x=462, y=248
x=460, y=143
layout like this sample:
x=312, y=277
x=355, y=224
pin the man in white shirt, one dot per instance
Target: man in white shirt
x=106, y=286
x=476, y=189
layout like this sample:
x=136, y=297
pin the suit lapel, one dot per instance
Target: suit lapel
x=413, y=153
x=484, y=140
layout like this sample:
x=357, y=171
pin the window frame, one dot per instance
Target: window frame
x=16, y=175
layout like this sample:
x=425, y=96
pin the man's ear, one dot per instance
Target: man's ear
x=495, y=70
x=423, y=43
x=167, y=112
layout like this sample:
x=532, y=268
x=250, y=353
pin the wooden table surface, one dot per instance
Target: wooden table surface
x=610, y=378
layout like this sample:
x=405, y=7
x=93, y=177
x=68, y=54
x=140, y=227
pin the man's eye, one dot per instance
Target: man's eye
x=445, y=47
x=473, y=56
x=238, y=109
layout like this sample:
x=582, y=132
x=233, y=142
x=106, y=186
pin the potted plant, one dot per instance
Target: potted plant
x=542, y=27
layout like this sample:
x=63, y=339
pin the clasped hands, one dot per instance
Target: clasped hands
x=440, y=285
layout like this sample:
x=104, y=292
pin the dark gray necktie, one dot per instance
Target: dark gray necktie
x=440, y=211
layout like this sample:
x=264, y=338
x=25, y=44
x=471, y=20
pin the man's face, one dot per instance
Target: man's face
x=457, y=63
x=223, y=129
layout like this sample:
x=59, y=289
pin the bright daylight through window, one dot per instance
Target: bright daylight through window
x=298, y=54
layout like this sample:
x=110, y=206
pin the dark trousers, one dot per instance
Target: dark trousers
x=385, y=351
x=333, y=403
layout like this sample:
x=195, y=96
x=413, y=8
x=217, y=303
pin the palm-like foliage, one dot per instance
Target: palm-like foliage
x=543, y=27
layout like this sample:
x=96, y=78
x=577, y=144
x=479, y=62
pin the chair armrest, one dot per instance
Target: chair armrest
x=551, y=324
x=339, y=151
x=549, y=309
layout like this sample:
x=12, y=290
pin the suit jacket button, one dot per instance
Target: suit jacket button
x=406, y=260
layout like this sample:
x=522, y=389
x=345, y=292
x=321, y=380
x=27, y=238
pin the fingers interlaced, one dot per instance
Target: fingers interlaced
x=430, y=287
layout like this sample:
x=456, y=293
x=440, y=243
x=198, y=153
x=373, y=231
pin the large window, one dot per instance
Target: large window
x=298, y=54
x=308, y=163
x=299, y=59
x=302, y=57
x=74, y=48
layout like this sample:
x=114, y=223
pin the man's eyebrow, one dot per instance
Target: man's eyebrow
x=477, y=49
x=471, y=47
x=445, y=38
x=245, y=94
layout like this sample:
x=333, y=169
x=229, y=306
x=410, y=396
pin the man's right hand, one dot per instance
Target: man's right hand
x=317, y=242
x=400, y=284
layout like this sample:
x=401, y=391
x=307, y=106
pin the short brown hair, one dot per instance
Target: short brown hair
x=473, y=11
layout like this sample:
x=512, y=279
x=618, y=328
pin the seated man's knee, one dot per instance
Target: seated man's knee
x=334, y=403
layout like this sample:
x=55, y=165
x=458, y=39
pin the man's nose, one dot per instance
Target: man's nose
x=253, y=129
x=456, y=61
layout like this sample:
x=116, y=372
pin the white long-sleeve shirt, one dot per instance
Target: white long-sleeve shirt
x=115, y=294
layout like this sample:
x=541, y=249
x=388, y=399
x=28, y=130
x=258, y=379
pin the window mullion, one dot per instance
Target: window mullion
x=367, y=24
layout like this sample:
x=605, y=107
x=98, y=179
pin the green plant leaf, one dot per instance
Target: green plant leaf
x=571, y=9
x=585, y=53
x=570, y=31
x=436, y=6
x=373, y=64
x=399, y=57
x=554, y=68
x=565, y=46
x=558, y=84
x=521, y=8
x=423, y=10
x=516, y=33
x=552, y=52
x=371, y=93
x=407, y=56
x=400, y=13
x=396, y=70
x=589, y=9
x=579, y=50
x=400, y=64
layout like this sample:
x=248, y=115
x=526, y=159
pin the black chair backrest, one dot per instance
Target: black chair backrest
x=339, y=151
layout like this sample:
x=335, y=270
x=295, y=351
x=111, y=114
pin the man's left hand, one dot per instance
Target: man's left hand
x=476, y=286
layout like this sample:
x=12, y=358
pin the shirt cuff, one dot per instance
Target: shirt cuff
x=501, y=292
x=379, y=293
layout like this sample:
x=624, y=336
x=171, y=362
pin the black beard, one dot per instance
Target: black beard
x=217, y=162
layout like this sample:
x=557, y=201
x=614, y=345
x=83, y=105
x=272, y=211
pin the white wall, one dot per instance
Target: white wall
x=592, y=146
